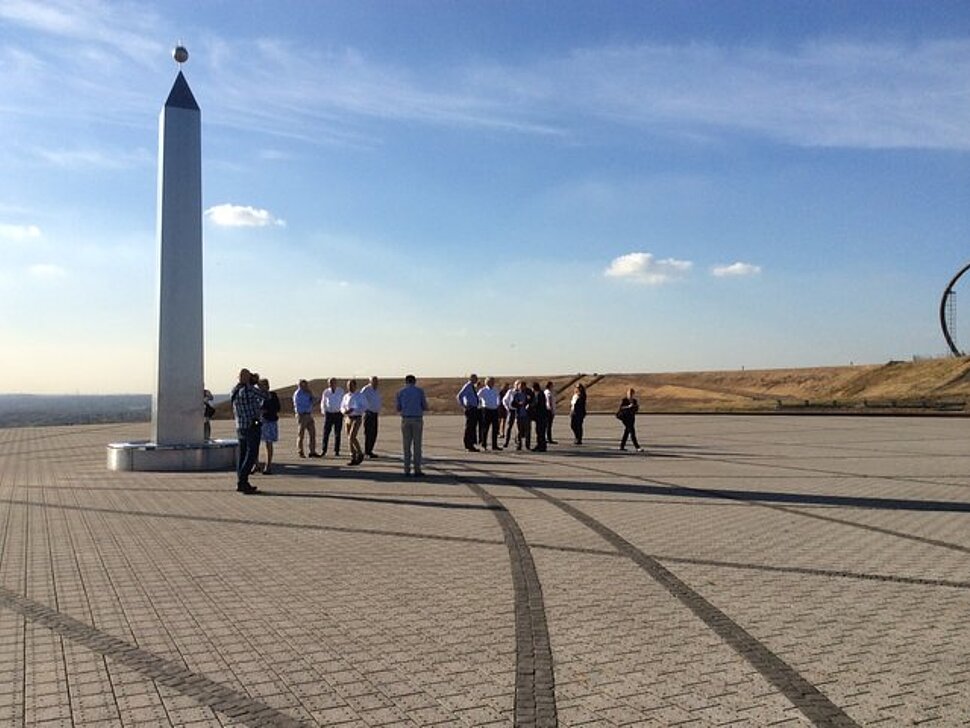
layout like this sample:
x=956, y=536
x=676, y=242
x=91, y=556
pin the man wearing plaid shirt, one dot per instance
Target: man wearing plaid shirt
x=247, y=400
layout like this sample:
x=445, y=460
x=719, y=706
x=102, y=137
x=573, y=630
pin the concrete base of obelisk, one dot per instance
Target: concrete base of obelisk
x=148, y=456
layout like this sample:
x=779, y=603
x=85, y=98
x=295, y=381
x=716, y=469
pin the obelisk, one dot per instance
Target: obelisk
x=178, y=442
x=177, y=401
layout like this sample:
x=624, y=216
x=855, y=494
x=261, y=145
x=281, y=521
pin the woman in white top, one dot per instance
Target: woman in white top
x=353, y=406
x=577, y=413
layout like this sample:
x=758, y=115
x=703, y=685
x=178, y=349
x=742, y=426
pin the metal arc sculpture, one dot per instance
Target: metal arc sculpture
x=947, y=334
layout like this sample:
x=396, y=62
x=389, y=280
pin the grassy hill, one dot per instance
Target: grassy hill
x=937, y=385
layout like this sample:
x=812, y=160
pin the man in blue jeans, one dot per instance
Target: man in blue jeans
x=247, y=400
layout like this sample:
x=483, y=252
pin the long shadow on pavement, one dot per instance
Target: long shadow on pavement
x=381, y=500
x=753, y=496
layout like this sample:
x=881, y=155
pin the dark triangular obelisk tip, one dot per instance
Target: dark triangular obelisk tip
x=181, y=95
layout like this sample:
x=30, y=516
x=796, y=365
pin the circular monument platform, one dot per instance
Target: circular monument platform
x=143, y=455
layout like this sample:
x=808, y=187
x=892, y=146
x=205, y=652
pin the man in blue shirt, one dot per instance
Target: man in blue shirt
x=303, y=408
x=247, y=401
x=411, y=403
x=468, y=399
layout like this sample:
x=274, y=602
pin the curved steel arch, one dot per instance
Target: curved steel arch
x=946, y=294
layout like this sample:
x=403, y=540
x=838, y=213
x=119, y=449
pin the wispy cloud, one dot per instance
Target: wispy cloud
x=735, y=270
x=19, y=233
x=817, y=94
x=859, y=94
x=274, y=155
x=228, y=215
x=335, y=91
x=95, y=158
x=125, y=28
x=844, y=94
x=645, y=269
x=47, y=272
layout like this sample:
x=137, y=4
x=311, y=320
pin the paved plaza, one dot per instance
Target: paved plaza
x=744, y=571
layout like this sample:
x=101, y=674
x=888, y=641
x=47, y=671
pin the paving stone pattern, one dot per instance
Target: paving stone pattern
x=744, y=571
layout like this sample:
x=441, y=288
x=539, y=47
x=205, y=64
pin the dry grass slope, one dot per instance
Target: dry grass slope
x=935, y=385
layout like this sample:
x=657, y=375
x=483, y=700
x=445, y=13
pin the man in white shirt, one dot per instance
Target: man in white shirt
x=509, y=401
x=352, y=405
x=550, y=394
x=333, y=418
x=372, y=409
x=468, y=399
x=489, y=401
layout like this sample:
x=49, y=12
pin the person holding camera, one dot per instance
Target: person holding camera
x=247, y=402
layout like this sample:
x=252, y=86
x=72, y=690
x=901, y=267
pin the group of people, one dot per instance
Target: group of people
x=490, y=415
x=493, y=414
x=357, y=408
x=256, y=409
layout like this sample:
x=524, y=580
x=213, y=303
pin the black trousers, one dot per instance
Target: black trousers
x=523, y=433
x=471, y=427
x=549, y=418
x=490, y=422
x=630, y=431
x=370, y=432
x=332, y=421
x=576, y=423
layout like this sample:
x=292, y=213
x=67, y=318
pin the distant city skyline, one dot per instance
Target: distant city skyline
x=500, y=187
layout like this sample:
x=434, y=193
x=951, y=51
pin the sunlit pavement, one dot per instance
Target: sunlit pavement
x=742, y=571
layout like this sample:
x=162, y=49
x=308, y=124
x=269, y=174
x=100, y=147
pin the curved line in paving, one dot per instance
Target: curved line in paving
x=535, y=692
x=204, y=691
x=802, y=693
x=535, y=703
x=814, y=704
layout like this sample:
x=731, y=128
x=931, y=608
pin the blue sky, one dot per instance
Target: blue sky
x=505, y=187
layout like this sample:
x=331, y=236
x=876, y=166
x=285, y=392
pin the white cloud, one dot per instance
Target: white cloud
x=228, y=215
x=47, y=272
x=644, y=268
x=19, y=233
x=735, y=270
x=96, y=158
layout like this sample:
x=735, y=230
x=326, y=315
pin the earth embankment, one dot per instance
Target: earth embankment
x=933, y=385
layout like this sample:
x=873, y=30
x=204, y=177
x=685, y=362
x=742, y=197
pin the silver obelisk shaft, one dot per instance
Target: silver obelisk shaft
x=177, y=402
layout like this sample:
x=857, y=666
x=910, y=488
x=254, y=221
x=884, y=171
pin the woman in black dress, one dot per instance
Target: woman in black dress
x=627, y=414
